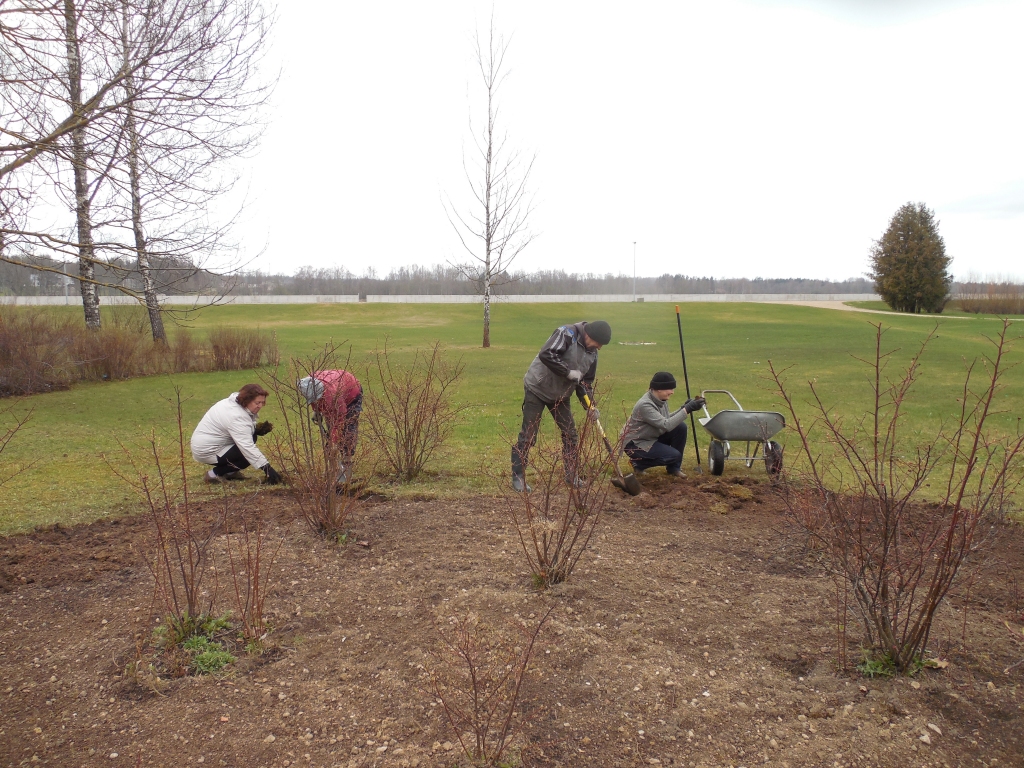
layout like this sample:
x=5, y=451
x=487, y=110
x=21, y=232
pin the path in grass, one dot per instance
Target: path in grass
x=846, y=306
x=728, y=347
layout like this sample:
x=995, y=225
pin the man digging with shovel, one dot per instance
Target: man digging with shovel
x=566, y=363
x=653, y=437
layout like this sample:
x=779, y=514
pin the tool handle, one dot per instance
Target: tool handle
x=607, y=443
x=686, y=381
x=588, y=405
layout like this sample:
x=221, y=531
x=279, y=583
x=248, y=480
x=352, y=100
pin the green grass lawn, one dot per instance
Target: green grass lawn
x=728, y=347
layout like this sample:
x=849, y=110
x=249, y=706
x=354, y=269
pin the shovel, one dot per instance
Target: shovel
x=628, y=483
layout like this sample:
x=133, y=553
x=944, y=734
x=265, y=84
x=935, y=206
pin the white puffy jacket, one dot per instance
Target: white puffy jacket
x=227, y=423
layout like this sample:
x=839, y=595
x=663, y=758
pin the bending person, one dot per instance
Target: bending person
x=566, y=363
x=653, y=437
x=336, y=398
x=226, y=436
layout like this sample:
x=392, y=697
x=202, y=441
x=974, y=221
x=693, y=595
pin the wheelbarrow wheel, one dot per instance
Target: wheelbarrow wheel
x=716, y=457
x=773, y=458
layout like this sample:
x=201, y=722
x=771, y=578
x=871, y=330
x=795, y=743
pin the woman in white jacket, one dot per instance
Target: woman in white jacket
x=226, y=436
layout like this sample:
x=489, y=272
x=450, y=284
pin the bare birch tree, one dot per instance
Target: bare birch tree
x=176, y=91
x=80, y=168
x=199, y=111
x=494, y=230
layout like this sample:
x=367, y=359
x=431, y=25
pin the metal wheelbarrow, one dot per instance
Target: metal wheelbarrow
x=752, y=427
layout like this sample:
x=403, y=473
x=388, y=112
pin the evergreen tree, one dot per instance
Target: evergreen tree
x=909, y=263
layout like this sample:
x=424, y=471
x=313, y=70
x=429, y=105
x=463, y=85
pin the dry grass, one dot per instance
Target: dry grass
x=42, y=351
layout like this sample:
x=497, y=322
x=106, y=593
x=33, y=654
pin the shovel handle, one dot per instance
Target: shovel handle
x=607, y=442
x=588, y=405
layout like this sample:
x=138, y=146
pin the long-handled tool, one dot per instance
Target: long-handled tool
x=686, y=380
x=629, y=483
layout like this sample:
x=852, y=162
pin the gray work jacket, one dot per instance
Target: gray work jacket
x=548, y=374
x=650, y=420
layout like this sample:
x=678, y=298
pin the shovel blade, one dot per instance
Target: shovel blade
x=633, y=487
x=628, y=483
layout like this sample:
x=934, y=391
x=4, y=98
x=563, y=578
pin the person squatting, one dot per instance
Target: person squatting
x=226, y=437
x=653, y=437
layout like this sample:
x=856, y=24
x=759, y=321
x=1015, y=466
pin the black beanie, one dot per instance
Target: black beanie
x=663, y=380
x=599, y=331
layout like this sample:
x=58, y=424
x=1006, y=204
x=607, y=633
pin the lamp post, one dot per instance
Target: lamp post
x=634, y=271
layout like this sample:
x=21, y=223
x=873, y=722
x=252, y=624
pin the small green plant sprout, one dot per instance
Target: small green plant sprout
x=214, y=624
x=254, y=647
x=212, y=661
x=876, y=664
x=198, y=644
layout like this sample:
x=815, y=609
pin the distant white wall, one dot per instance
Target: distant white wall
x=671, y=298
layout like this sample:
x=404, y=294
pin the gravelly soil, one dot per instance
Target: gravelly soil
x=695, y=632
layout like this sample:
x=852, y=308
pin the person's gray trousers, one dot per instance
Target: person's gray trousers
x=533, y=409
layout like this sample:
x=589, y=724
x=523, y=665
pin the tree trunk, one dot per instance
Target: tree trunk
x=79, y=160
x=487, y=313
x=156, y=320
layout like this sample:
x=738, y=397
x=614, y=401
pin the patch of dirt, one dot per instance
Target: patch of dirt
x=695, y=632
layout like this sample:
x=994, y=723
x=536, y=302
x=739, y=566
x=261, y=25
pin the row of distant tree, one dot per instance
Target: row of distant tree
x=180, y=277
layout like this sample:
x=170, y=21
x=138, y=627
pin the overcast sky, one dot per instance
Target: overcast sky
x=766, y=138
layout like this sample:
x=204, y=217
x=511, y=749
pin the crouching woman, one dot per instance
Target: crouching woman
x=226, y=436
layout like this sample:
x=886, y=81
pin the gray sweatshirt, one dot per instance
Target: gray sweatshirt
x=650, y=420
x=548, y=374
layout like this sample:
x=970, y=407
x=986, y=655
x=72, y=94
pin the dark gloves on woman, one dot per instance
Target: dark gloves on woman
x=263, y=428
x=272, y=474
x=694, y=404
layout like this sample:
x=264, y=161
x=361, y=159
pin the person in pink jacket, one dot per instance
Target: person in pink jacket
x=336, y=398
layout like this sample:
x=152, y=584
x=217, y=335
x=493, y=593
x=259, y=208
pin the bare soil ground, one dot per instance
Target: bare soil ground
x=696, y=632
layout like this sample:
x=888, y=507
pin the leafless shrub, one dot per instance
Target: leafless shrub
x=10, y=424
x=864, y=504
x=252, y=567
x=41, y=351
x=237, y=349
x=179, y=557
x=555, y=520
x=186, y=354
x=477, y=679
x=34, y=351
x=298, y=444
x=412, y=414
x=1018, y=638
x=113, y=353
x=994, y=297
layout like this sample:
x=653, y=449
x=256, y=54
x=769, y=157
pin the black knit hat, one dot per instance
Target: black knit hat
x=663, y=380
x=599, y=331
